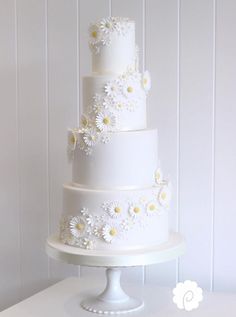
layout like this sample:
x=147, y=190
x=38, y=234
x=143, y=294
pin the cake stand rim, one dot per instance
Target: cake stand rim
x=168, y=251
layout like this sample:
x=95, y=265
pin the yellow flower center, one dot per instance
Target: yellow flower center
x=72, y=139
x=80, y=226
x=113, y=232
x=136, y=210
x=92, y=137
x=163, y=195
x=117, y=210
x=152, y=207
x=106, y=120
x=84, y=122
x=145, y=81
x=130, y=89
x=94, y=34
x=158, y=176
x=108, y=25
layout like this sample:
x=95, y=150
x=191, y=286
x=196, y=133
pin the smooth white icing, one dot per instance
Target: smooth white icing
x=144, y=231
x=128, y=160
x=118, y=54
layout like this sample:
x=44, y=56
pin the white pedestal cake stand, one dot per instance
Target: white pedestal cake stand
x=114, y=300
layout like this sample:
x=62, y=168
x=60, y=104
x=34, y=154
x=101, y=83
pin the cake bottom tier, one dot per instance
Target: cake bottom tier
x=113, y=220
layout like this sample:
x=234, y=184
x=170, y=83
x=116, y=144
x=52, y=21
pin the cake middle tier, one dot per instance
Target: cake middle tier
x=127, y=160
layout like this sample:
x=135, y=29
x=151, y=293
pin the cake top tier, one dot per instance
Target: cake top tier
x=112, y=43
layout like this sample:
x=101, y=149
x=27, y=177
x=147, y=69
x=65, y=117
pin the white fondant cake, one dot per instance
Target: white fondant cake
x=118, y=198
x=119, y=163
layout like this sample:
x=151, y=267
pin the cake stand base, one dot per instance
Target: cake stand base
x=113, y=299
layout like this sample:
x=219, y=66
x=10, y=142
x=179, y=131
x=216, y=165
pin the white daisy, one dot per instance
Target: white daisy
x=106, y=39
x=94, y=48
x=77, y=226
x=132, y=74
x=164, y=196
x=106, y=121
x=146, y=81
x=91, y=137
x=152, y=208
x=105, y=139
x=88, y=244
x=143, y=200
x=84, y=211
x=72, y=139
x=119, y=104
x=127, y=223
x=110, y=232
x=97, y=231
x=135, y=210
x=115, y=209
x=98, y=103
x=90, y=220
x=122, y=26
x=88, y=150
x=131, y=105
x=158, y=176
x=94, y=34
x=84, y=121
x=108, y=25
x=130, y=89
x=108, y=102
x=112, y=89
x=105, y=205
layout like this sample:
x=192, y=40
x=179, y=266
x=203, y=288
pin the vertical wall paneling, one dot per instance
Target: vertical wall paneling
x=32, y=144
x=132, y=9
x=9, y=209
x=225, y=148
x=196, y=69
x=162, y=61
x=90, y=11
x=62, y=100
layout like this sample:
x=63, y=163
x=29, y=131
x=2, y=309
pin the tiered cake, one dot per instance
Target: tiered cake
x=117, y=198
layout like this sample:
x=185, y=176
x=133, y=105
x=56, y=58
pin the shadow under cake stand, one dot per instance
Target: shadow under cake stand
x=113, y=300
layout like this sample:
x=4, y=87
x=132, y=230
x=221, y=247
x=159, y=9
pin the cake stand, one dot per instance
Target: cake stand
x=113, y=300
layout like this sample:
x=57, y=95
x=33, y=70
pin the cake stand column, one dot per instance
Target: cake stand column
x=113, y=300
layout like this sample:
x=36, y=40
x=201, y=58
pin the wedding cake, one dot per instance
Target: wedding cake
x=118, y=198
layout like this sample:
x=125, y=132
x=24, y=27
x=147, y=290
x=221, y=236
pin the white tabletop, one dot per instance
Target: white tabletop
x=63, y=300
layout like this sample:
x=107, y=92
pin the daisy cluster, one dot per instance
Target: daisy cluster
x=124, y=93
x=100, y=32
x=117, y=218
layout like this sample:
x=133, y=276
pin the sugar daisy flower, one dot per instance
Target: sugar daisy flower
x=146, y=81
x=135, y=210
x=164, y=196
x=91, y=137
x=115, y=209
x=106, y=121
x=131, y=90
x=112, y=89
x=110, y=232
x=152, y=208
x=108, y=25
x=94, y=34
x=72, y=139
x=77, y=226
